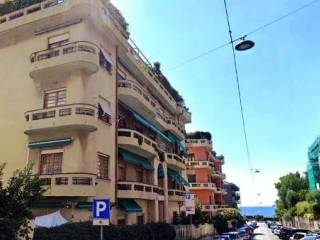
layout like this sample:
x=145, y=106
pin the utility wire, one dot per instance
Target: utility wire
x=238, y=87
x=242, y=37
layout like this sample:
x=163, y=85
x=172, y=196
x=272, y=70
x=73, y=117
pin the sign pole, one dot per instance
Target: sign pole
x=190, y=219
x=101, y=232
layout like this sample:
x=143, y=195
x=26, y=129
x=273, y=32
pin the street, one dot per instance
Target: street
x=264, y=233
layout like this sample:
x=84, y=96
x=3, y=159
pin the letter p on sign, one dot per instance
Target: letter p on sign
x=101, y=211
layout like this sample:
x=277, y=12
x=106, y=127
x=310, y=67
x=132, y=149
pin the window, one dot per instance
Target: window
x=51, y=163
x=140, y=219
x=104, y=111
x=103, y=166
x=58, y=40
x=121, y=222
x=121, y=171
x=55, y=98
x=121, y=75
x=139, y=173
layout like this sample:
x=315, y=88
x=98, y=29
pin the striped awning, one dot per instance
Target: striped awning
x=176, y=177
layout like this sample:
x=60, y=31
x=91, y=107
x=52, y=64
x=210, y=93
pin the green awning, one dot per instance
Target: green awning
x=160, y=171
x=49, y=204
x=176, y=177
x=134, y=159
x=149, y=125
x=129, y=205
x=84, y=205
x=176, y=140
x=50, y=143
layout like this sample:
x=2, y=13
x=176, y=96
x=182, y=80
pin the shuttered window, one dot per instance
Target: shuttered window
x=51, y=163
x=55, y=98
x=103, y=166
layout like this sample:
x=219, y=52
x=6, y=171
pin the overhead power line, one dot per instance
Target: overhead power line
x=238, y=87
x=189, y=60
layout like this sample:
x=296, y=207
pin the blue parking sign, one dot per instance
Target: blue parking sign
x=101, y=211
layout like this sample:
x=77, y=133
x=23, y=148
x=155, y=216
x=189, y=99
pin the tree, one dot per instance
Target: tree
x=292, y=188
x=17, y=197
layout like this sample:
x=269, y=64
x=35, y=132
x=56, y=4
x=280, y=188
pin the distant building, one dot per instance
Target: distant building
x=313, y=165
x=204, y=171
x=232, y=198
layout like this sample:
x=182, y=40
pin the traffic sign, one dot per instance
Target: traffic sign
x=189, y=204
x=101, y=211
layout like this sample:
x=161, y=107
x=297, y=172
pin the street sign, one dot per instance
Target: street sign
x=189, y=204
x=101, y=212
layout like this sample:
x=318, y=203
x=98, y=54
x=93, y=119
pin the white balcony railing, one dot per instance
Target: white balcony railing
x=79, y=116
x=209, y=186
x=139, y=190
x=69, y=184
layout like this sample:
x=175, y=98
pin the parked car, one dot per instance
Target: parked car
x=286, y=233
x=233, y=235
x=298, y=235
x=221, y=237
x=245, y=232
x=311, y=237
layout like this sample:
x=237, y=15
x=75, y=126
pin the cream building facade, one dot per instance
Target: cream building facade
x=97, y=120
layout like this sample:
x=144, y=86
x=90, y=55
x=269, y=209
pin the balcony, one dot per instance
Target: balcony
x=137, y=190
x=78, y=117
x=203, y=186
x=175, y=161
x=54, y=62
x=138, y=98
x=199, y=143
x=136, y=142
x=218, y=174
x=176, y=195
x=212, y=207
x=185, y=113
x=200, y=164
x=176, y=129
x=69, y=184
x=40, y=17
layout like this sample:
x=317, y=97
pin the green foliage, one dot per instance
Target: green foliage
x=86, y=231
x=304, y=209
x=16, y=198
x=198, y=218
x=200, y=135
x=220, y=223
x=292, y=188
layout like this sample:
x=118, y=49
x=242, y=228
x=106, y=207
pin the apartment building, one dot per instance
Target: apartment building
x=204, y=171
x=313, y=167
x=232, y=196
x=89, y=111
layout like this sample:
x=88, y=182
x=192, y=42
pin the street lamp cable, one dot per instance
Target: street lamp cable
x=192, y=59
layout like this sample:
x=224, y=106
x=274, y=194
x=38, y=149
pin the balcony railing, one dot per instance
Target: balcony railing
x=176, y=161
x=69, y=184
x=138, y=190
x=199, y=142
x=211, y=186
x=132, y=137
x=29, y=7
x=155, y=106
x=212, y=207
x=200, y=164
x=79, y=115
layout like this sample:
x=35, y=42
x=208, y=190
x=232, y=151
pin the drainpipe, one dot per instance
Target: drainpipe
x=116, y=132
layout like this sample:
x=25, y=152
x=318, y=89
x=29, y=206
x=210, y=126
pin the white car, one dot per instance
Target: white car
x=298, y=235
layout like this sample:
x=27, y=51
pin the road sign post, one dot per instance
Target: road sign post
x=101, y=213
x=189, y=205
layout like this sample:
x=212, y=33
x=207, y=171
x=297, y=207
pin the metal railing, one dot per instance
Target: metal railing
x=172, y=156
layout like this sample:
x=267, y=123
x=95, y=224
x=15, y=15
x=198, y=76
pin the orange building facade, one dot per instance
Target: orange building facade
x=205, y=176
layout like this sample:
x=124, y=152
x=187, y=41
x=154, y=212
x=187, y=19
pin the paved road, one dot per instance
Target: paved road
x=264, y=233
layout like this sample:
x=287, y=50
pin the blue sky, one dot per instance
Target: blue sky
x=279, y=79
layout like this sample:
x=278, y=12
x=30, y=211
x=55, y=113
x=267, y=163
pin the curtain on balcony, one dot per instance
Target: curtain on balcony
x=175, y=139
x=134, y=159
x=149, y=125
x=176, y=177
x=129, y=205
x=50, y=143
